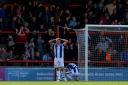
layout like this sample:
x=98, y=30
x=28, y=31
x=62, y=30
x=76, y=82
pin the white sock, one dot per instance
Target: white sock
x=58, y=75
x=63, y=76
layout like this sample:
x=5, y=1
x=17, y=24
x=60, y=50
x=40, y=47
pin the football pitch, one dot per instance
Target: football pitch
x=64, y=83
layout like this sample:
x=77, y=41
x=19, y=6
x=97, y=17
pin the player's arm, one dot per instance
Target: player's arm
x=18, y=32
x=51, y=41
x=26, y=30
x=65, y=41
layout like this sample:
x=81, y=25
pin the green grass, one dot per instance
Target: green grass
x=63, y=83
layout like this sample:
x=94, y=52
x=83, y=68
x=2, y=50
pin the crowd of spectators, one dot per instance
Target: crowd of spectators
x=106, y=12
x=34, y=22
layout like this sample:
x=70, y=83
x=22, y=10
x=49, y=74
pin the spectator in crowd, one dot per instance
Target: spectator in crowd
x=45, y=16
x=72, y=23
x=0, y=53
x=22, y=38
x=99, y=55
x=13, y=23
x=75, y=51
x=19, y=20
x=3, y=54
x=26, y=52
x=31, y=47
x=110, y=7
x=41, y=46
x=2, y=11
x=124, y=55
x=104, y=19
x=46, y=57
x=104, y=43
x=11, y=47
x=1, y=24
x=34, y=23
x=71, y=50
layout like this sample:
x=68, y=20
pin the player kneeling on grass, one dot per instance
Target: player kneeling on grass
x=72, y=72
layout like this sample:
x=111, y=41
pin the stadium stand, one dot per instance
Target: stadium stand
x=26, y=27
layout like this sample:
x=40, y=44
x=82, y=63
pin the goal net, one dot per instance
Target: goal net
x=103, y=52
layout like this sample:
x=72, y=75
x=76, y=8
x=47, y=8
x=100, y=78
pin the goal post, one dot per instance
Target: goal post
x=112, y=42
x=82, y=40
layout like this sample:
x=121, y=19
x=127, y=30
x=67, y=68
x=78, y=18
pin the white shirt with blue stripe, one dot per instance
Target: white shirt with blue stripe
x=58, y=51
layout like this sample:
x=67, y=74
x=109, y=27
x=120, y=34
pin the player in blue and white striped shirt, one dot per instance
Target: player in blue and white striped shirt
x=58, y=49
x=72, y=72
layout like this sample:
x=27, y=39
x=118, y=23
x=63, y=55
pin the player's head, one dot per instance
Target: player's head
x=58, y=40
x=70, y=66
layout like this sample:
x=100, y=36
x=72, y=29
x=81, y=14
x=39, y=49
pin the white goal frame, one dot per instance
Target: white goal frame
x=87, y=28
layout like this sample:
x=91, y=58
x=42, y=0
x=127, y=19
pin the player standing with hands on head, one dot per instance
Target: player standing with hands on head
x=58, y=48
